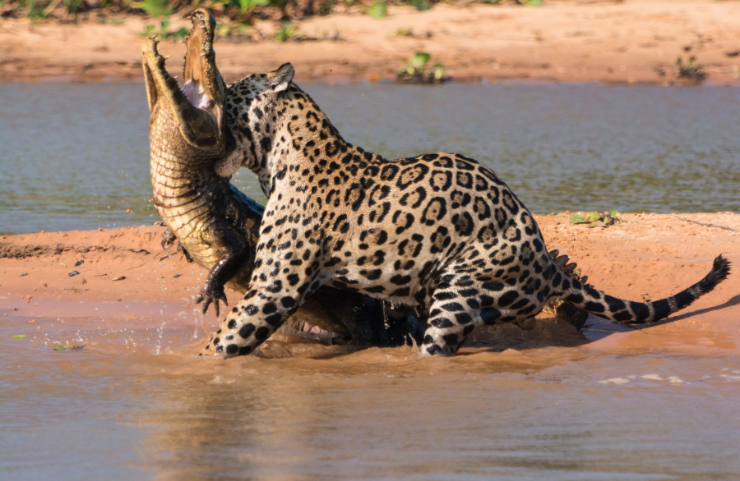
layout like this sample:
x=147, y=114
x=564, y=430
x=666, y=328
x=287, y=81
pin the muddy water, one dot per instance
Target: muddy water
x=76, y=156
x=136, y=403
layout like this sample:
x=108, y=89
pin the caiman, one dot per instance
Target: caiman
x=216, y=224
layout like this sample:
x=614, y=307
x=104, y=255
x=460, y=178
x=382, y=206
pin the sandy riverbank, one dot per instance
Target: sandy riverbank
x=605, y=41
x=125, y=271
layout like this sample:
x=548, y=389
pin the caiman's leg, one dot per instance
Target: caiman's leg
x=225, y=269
x=169, y=238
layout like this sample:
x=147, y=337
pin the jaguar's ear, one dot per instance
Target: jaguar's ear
x=280, y=79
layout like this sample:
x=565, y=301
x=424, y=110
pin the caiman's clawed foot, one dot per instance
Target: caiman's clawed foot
x=211, y=294
x=168, y=238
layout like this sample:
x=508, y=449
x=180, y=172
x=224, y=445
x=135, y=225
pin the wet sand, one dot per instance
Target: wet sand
x=125, y=273
x=632, y=41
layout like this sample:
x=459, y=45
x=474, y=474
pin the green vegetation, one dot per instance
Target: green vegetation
x=596, y=219
x=238, y=12
x=154, y=8
x=163, y=31
x=420, y=5
x=414, y=70
x=246, y=6
x=378, y=10
x=35, y=11
x=690, y=71
x=72, y=6
x=404, y=32
x=285, y=33
x=237, y=29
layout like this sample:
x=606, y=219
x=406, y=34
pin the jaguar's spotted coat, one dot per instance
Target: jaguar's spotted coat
x=438, y=232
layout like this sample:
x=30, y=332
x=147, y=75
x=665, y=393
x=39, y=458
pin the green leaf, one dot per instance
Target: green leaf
x=19, y=336
x=420, y=5
x=613, y=213
x=155, y=8
x=593, y=216
x=419, y=60
x=285, y=32
x=378, y=10
x=577, y=218
x=181, y=33
x=246, y=6
x=439, y=71
x=61, y=348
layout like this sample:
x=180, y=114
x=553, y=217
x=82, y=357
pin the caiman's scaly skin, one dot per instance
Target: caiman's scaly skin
x=213, y=226
x=216, y=225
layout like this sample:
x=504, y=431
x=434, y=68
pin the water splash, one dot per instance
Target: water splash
x=160, y=332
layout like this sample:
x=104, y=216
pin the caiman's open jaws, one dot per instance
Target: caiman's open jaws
x=198, y=105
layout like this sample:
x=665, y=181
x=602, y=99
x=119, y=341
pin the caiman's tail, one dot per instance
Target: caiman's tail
x=629, y=312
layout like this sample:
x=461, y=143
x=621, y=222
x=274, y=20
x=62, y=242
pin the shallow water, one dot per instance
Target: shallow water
x=136, y=403
x=75, y=156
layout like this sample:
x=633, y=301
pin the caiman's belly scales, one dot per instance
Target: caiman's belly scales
x=182, y=200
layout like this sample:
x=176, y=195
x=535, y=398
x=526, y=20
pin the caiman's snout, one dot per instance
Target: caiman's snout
x=197, y=107
x=203, y=86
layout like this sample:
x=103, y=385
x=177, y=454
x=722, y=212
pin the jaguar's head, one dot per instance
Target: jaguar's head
x=254, y=107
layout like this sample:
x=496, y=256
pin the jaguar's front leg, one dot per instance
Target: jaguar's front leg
x=249, y=324
x=259, y=314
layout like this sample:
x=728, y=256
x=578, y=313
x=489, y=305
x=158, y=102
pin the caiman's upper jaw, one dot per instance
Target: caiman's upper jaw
x=200, y=125
x=203, y=86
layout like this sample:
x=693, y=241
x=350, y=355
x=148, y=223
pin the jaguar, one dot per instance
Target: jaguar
x=439, y=232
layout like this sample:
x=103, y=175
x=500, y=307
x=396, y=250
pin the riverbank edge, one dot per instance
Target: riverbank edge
x=68, y=274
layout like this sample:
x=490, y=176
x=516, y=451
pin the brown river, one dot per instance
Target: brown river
x=137, y=403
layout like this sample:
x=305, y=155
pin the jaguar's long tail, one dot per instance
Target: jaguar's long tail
x=629, y=312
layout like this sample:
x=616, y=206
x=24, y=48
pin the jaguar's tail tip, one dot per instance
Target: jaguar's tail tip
x=720, y=271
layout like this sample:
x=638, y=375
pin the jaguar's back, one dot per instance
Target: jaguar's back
x=439, y=232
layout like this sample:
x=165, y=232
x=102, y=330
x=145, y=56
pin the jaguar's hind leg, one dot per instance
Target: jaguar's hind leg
x=460, y=303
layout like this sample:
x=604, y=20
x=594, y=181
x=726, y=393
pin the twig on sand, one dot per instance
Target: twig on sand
x=706, y=225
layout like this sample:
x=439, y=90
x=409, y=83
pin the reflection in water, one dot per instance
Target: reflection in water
x=396, y=417
x=542, y=411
